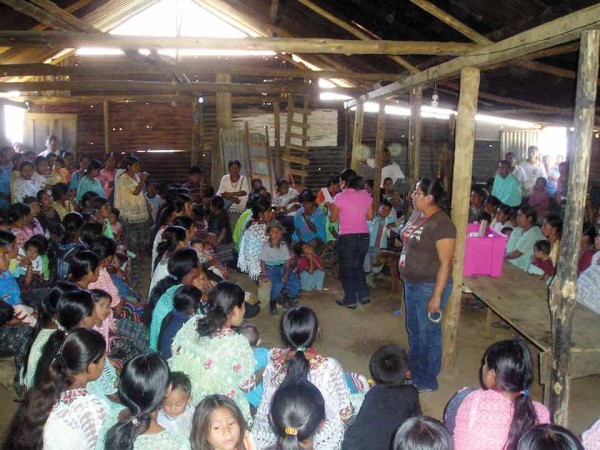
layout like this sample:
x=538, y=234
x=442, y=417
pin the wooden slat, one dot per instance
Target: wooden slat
x=301, y=111
x=300, y=173
x=296, y=159
x=299, y=124
x=300, y=136
x=296, y=147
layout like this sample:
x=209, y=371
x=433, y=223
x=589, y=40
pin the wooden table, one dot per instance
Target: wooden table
x=522, y=301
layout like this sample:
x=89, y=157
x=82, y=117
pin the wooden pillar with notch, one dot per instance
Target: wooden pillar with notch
x=224, y=113
x=414, y=136
x=379, y=144
x=277, y=140
x=359, y=120
x=461, y=188
x=563, y=289
x=106, y=119
x=197, y=131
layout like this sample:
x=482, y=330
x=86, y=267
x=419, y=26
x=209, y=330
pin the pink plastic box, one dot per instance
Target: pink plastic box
x=484, y=255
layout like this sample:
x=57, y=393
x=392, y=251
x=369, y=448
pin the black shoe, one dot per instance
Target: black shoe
x=341, y=303
x=273, y=309
x=365, y=301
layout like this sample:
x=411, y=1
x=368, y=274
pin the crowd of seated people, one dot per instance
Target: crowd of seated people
x=101, y=363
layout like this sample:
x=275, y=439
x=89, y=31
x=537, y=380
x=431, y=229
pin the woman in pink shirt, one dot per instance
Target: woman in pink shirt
x=352, y=207
x=496, y=417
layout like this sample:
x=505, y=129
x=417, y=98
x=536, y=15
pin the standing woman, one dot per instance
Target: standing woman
x=130, y=200
x=89, y=180
x=352, y=207
x=234, y=188
x=425, y=266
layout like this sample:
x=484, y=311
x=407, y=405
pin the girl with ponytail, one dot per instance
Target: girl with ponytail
x=299, y=363
x=180, y=205
x=297, y=412
x=172, y=239
x=216, y=358
x=496, y=417
x=75, y=309
x=144, y=385
x=60, y=413
x=185, y=270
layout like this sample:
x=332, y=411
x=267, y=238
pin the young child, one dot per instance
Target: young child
x=59, y=174
x=539, y=198
x=424, y=433
x=378, y=239
x=541, y=260
x=387, y=404
x=154, y=200
x=310, y=267
x=102, y=312
x=102, y=209
x=501, y=219
x=276, y=266
x=297, y=412
x=261, y=354
x=32, y=263
x=176, y=413
x=115, y=224
x=186, y=302
x=209, y=261
x=218, y=424
x=143, y=389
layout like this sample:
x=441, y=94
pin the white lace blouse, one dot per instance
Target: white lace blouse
x=75, y=421
x=328, y=376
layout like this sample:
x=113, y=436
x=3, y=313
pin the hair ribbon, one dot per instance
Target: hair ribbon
x=289, y=431
x=301, y=349
x=135, y=421
x=525, y=392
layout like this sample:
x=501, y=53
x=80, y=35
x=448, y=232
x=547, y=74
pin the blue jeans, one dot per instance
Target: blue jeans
x=424, y=336
x=291, y=286
x=312, y=281
x=351, y=250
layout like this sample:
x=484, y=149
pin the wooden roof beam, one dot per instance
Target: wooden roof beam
x=478, y=38
x=162, y=87
x=64, y=16
x=39, y=14
x=64, y=39
x=354, y=32
x=101, y=69
x=559, y=31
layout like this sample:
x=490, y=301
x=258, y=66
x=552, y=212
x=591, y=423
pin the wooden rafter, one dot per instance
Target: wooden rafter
x=66, y=39
x=64, y=16
x=355, y=32
x=55, y=99
x=478, y=38
x=533, y=40
x=158, y=87
x=192, y=68
x=39, y=14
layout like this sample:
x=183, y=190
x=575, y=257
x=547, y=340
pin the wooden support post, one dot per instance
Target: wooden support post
x=461, y=192
x=414, y=135
x=224, y=114
x=564, y=287
x=277, y=139
x=359, y=120
x=197, y=131
x=379, y=144
x=106, y=116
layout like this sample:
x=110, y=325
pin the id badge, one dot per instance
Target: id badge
x=402, y=262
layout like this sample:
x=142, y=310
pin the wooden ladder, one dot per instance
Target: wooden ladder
x=295, y=154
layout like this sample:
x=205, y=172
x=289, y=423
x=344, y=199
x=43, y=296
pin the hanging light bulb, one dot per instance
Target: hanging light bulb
x=435, y=97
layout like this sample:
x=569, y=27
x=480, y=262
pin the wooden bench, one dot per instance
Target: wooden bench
x=522, y=301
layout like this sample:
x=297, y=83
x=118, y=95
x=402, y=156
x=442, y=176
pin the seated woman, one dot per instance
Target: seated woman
x=496, y=417
x=552, y=228
x=173, y=238
x=297, y=363
x=216, y=358
x=89, y=181
x=254, y=238
x=588, y=282
x=519, y=248
x=588, y=248
x=309, y=222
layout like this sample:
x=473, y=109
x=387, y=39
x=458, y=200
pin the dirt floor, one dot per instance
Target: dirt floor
x=351, y=336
